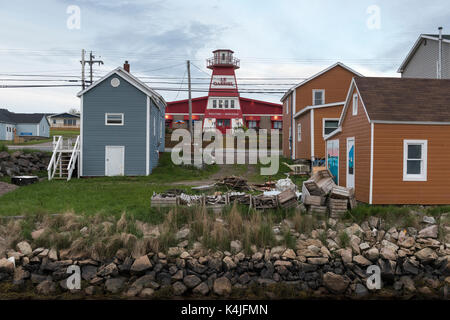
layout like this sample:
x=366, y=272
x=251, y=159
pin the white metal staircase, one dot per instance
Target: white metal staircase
x=65, y=158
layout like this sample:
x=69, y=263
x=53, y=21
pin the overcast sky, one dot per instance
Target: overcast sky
x=279, y=39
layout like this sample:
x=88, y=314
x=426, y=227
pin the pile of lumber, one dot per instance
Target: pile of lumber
x=266, y=186
x=320, y=194
x=264, y=202
x=164, y=199
x=234, y=183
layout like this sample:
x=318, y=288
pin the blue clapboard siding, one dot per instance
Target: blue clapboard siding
x=44, y=128
x=104, y=99
x=26, y=129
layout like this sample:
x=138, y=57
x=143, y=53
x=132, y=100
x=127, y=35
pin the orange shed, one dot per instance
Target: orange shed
x=393, y=141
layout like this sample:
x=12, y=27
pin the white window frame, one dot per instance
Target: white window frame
x=423, y=169
x=299, y=132
x=287, y=105
x=355, y=104
x=314, y=96
x=323, y=124
x=114, y=114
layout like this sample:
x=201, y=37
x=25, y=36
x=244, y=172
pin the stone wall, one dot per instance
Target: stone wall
x=412, y=262
x=20, y=163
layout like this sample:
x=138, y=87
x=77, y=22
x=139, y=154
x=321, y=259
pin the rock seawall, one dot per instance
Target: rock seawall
x=412, y=263
x=21, y=163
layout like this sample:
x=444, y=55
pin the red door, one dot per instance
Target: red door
x=223, y=125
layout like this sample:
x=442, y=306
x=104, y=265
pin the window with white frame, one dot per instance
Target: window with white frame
x=220, y=104
x=415, y=160
x=252, y=124
x=232, y=104
x=214, y=104
x=329, y=125
x=355, y=105
x=299, y=132
x=318, y=97
x=226, y=104
x=114, y=119
x=277, y=124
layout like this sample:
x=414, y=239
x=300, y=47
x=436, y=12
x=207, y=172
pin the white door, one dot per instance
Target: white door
x=350, y=162
x=114, y=160
x=9, y=132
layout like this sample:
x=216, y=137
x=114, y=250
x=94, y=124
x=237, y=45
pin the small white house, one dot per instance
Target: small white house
x=23, y=124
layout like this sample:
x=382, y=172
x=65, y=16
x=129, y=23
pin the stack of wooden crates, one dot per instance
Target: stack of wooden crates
x=320, y=194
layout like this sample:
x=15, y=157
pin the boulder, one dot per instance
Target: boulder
x=426, y=255
x=108, y=270
x=46, y=287
x=141, y=264
x=289, y=254
x=429, y=232
x=179, y=288
x=114, y=285
x=335, y=283
x=191, y=281
x=236, y=246
x=201, y=289
x=6, y=266
x=182, y=234
x=222, y=286
x=372, y=254
x=360, y=260
x=24, y=248
x=147, y=293
x=388, y=254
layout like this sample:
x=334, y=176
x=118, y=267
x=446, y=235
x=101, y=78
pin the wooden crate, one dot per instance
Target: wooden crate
x=338, y=207
x=317, y=209
x=338, y=192
x=314, y=200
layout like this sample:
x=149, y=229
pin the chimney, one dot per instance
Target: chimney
x=126, y=66
x=440, y=54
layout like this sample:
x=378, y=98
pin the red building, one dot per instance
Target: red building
x=224, y=108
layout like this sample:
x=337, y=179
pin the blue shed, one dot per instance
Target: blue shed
x=23, y=124
x=122, y=126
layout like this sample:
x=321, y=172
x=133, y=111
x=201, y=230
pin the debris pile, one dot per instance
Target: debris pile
x=235, y=183
x=266, y=186
x=320, y=194
x=287, y=199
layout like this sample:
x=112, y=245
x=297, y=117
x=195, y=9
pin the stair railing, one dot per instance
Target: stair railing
x=73, y=158
x=56, y=157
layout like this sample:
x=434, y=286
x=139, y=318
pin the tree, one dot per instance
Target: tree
x=73, y=111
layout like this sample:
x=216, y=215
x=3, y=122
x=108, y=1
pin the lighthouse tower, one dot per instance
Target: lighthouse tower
x=223, y=110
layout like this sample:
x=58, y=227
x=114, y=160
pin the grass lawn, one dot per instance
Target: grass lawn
x=108, y=195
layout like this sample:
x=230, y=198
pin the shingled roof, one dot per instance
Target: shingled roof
x=405, y=99
x=11, y=117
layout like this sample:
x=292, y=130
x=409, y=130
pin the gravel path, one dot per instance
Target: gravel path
x=6, y=187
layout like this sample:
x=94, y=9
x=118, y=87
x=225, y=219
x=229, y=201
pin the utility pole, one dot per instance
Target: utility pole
x=91, y=62
x=83, y=85
x=190, y=98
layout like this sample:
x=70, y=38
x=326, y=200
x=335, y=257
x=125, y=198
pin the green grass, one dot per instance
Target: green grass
x=64, y=133
x=53, y=132
x=105, y=195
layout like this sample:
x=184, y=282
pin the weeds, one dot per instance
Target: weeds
x=344, y=239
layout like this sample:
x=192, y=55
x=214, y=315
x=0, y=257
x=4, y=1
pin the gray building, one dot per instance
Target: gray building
x=23, y=125
x=122, y=126
x=424, y=59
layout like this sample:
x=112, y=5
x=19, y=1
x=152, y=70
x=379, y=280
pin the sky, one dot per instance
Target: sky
x=278, y=42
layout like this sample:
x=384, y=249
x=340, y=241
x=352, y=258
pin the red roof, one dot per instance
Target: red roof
x=248, y=106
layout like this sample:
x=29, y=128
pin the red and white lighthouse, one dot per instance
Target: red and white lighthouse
x=223, y=110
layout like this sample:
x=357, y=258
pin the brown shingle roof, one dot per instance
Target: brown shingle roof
x=405, y=99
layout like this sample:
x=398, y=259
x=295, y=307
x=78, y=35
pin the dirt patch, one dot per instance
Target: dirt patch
x=6, y=187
